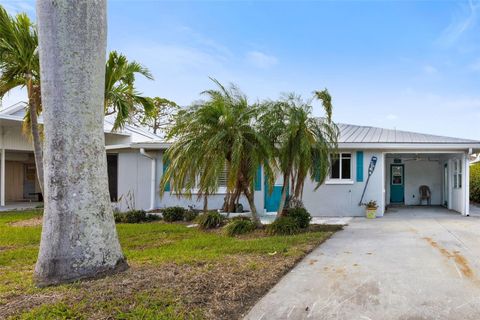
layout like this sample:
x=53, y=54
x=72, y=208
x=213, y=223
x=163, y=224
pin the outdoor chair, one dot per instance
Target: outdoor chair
x=425, y=194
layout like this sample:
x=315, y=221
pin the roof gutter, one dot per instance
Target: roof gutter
x=152, y=177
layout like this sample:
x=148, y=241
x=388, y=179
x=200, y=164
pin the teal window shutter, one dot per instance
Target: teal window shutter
x=258, y=179
x=165, y=167
x=359, y=166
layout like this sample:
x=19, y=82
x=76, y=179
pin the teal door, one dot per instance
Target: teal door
x=397, y=183
x=272, y=200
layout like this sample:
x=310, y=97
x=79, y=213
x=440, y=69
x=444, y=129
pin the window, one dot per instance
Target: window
x=457, y=173
x=341, y=166
x=222, y=180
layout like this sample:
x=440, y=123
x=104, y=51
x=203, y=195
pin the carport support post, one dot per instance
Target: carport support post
x=466, y=183
x=2, y=177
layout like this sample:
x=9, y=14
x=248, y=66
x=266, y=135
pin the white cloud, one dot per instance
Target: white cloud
x=205, y=42
x=463, y=19
x=391, y=117
x=475, y=66
x=14, y=7
x=429, y=69
x=260, y=59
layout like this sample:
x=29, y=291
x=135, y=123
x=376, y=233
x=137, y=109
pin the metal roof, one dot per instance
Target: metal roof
x=363, y=134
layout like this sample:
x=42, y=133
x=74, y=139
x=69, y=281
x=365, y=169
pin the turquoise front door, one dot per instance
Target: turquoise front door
x=272, y=200
x=397, y=183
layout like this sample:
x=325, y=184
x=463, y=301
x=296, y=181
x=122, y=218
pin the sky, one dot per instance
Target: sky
x=409, y=65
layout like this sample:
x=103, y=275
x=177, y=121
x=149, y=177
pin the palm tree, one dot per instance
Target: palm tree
x=303, y=144
x=79, y=239
x=214, y=136
x=19, y=67
x=121, y=97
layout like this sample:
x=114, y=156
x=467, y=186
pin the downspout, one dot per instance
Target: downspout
x=153, y=177
x=467, y=182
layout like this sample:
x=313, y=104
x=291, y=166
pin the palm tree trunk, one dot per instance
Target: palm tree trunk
x=205, y=203
x=33, y=100
x=79, y=239
x=251, y=203
x=298, y=187
x=283, y=199
x=284, y=195
x=234, y=197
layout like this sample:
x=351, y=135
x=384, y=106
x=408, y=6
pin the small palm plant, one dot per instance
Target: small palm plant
x=302, y=143
x=212, y=136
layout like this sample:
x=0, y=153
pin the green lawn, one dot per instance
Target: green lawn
x=176, y=273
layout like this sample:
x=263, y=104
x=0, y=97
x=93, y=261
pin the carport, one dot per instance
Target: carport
x=442, y=175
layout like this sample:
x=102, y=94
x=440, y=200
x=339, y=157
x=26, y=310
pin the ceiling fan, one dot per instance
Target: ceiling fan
x=418, y=158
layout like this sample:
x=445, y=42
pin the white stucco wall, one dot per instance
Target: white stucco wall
x=329, y=200
x=343, y=199
x=134, y=175
x=133, y=178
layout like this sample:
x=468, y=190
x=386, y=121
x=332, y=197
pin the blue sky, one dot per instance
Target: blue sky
x=410, y=65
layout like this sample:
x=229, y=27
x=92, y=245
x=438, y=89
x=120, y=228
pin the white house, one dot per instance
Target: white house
x=404, y=162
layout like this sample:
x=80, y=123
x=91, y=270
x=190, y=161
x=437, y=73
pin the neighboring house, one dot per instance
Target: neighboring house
x=18, y=179
x=474, y=159
x=405, y=161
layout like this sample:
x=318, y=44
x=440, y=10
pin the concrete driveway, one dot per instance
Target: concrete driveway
x=414, y=263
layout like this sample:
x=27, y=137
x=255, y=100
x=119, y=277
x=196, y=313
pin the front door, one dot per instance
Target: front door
x=397, y=183
x=272, y=199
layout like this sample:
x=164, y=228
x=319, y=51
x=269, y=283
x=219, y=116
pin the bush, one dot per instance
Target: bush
x=210, y=220
x=190, y=215
x=301, y=216
x=239, y=226
x=133, y=216
x=283, y=226
x=173, y=214
x=475, y=183
x=241, y=218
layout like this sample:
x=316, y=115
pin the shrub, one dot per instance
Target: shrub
x=241, y=218
x=190, y=215
x=283, y=226
x=132, y=216
x=475, y=183
x=173, y=214
x=210, y=220
x=239, y=226
x=300, y=215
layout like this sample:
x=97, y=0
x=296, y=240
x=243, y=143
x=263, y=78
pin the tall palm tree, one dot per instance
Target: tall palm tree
x=215, y=135
x=303, y=143
x=121, y=96
x=19, y=67
x=79, y=239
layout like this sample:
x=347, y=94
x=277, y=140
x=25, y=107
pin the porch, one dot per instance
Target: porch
x=19, y=185
x=427, y=179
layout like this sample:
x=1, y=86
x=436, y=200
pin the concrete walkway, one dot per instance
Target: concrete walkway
x=414, y=263
x=12, y=206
